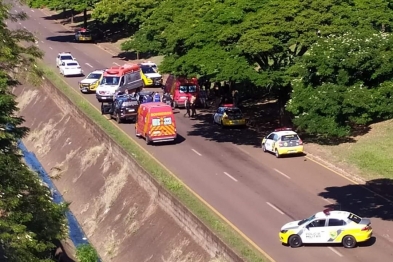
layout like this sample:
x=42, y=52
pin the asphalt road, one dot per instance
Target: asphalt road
x=255, y=191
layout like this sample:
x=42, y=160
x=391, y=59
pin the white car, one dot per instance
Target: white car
x=70, y=68
x=62, y=57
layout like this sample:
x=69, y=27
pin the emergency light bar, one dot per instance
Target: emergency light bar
x=327, y=211
x=227, y=105
x=283, y=129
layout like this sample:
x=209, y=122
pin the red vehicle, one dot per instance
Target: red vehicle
x=156, y=123
x=181, y=88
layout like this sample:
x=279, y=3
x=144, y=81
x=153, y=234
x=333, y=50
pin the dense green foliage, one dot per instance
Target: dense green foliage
x=29, y=221
x=86, y=253
x=262, y=43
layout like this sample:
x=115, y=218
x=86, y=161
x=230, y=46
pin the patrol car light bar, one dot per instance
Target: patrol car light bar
x=283, y=129
x=327, y=211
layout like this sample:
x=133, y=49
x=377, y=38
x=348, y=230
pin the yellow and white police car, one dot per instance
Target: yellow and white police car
x=282, y=141
x=327, y=227
x=91, y=82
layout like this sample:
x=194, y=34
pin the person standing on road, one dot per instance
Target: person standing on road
x=193, y=105
x=156, y=97
x=187, y=105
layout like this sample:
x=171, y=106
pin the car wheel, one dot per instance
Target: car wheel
x=136, y=133
x=263, y=148
x=295, y=241
x=102, y=109
x=118, y=118
x=148, y=142
x=277, y=154
x=349, y=242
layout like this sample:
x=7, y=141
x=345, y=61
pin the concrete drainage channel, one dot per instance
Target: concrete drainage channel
x=76, y=233
x=125, y=213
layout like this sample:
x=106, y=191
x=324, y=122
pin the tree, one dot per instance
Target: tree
x=29, y=220
x=344, y=81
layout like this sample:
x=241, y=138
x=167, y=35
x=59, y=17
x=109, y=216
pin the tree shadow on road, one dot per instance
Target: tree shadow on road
x=372, y=200
x=61, y=38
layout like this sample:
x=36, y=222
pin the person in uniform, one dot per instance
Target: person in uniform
x=193, y=106
x=188, y=105
x=157, y=97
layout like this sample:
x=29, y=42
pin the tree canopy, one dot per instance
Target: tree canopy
x=29, y=221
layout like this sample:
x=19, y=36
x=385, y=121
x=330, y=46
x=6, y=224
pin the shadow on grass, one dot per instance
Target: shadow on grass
x=372, y=200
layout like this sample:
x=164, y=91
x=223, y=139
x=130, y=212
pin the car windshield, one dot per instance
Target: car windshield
x=289, y=137
x=354, y=218
x=306, y=220
x=94, y=76
x=72, y=64
x=110, y=80
x=187, y=89
x=148, y=70
x=85, y=33
x=66, y=57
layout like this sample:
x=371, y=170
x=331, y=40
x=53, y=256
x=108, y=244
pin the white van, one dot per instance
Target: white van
x=119, y=78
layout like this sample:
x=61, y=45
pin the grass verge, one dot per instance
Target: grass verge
x=233, y=239
x=370, y=155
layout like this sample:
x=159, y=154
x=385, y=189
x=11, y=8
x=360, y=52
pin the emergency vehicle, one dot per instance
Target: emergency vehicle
x=181, y=88
x=282, y=141
x=328, y=227
x=83, y=35
x=149, y=74
x=156, y=123
x=118, y=79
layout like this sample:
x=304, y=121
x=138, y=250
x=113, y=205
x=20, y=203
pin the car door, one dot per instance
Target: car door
x=315, y=232
x=269, y=142
x=334, y=228
x=62, y=66
x=58, y=60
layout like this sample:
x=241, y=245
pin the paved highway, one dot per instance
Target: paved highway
x=255, y=191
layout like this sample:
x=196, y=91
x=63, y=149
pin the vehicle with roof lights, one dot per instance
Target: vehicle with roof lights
x=63, y=56
x=327, y=227
x=91, y=82
x=283, y=141
x=149, y=74
x=118, y=79
x=83, y=35
x=229, y=115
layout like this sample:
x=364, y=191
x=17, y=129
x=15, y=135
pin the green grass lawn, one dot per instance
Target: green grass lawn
x=371, y=156
x=203, y=212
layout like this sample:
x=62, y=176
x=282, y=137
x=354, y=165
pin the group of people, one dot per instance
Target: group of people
x=190, y=105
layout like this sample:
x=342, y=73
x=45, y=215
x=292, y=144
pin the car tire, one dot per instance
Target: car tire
x=102, y=109
x=264, y=148
x=136, y=134
x=276, y=153
x=349, y=242
x=148, y=141
x=295, y=241
x=118, y=118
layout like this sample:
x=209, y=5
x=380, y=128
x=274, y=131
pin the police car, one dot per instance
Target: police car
x=91, y=82
x=282, y=141
x=327, y=227
x=62, y=57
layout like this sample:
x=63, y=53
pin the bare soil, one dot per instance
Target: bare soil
x=120, y=219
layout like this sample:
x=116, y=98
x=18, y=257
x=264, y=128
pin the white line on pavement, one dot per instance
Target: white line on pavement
x=20, y=23
x=89, y=65
x=116, y=63
x=231, y=177
x=50, y=48
x=196, y=152
x=275, y=208
x=42, y=41
x=335, y=251
x=32, y=10
x=281, y=173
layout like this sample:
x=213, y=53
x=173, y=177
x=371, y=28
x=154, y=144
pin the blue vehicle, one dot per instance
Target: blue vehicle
x=145, y=97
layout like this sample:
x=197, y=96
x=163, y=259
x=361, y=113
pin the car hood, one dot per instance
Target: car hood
x=111, y=88
x=89, y=81
x=153, y=75
x=291, y=225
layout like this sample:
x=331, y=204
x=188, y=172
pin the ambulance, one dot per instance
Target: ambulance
x=118, y=79
x=180, y=88
x=155, y=123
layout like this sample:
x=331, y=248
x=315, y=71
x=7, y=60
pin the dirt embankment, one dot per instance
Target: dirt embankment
x=121, y=220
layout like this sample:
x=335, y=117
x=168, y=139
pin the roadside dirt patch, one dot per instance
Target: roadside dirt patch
x=121, y=220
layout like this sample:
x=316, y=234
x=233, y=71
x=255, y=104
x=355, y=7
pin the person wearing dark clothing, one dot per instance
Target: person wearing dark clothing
x=188, y=107
x=236, y=98
x=193, y=106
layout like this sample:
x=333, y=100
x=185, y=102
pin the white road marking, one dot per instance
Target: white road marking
x=20, y=23
x=89, y=65
x=42, y=41
x=327, y=200
x=281, y=173
x=50, y=48
x=24, y=27
x=275, y=208
x=196, y=152
x=32, y=10
x=116, y=63
x=231, y=177
x=335, y=251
